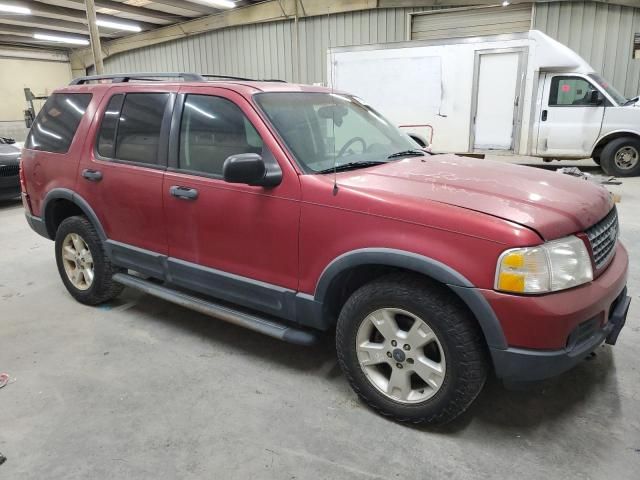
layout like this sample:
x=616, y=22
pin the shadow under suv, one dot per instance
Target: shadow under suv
x=294, y=210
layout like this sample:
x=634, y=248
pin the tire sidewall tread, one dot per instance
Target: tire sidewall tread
x=457, y=331
x=103, y=287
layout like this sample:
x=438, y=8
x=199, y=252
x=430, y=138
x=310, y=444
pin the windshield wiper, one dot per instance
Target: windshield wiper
x=350, y=166
x=408, y=153
x=631, y=101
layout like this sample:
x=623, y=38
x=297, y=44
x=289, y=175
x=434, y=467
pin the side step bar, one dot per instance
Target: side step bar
x=247, y=320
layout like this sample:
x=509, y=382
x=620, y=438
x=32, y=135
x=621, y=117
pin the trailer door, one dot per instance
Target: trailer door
x=497, y=90
x=570, y=119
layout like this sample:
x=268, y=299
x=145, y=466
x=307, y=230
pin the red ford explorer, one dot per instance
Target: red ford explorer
x=292, y=210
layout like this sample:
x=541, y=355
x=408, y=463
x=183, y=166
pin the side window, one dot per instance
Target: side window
x=570, y=91
x=57, y=122
x=212, y=129
x=130, y=128
x=108, y=128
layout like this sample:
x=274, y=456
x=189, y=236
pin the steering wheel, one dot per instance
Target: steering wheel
x=346, y=146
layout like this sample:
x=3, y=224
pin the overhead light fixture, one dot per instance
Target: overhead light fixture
x=506, y=3
x=129, y=27
x=221, y=3
x=57, y=39
x=13, y=9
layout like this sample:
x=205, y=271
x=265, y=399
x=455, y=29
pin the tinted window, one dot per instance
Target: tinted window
x=138, y=129
x=57, y=122
x=211, y=130
x=572, y=91
x=107, y=135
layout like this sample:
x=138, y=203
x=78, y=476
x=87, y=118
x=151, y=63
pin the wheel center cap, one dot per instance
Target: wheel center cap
x=398, y=355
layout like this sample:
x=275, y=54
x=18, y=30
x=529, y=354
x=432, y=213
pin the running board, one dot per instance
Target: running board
x=243, y=319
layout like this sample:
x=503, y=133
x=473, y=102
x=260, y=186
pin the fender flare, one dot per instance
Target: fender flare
x=66, y=194
x=426, y=266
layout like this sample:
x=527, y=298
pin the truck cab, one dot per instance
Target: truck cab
x=581, y=115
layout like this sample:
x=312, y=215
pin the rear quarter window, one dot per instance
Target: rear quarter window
x=57, y=122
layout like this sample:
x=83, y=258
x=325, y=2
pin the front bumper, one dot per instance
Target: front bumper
x=549, y=334
x=522, y=365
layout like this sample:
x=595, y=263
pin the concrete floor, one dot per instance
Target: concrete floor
x=142, y=389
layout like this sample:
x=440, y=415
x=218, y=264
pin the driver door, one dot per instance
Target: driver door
x=569, y=120
x=231, y=241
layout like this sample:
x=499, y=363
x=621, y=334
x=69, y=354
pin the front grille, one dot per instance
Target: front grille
x=603, y=236
x=9, y=170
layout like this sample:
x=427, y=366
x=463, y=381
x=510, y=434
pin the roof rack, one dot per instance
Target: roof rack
x=126, y=77
x=157, y=77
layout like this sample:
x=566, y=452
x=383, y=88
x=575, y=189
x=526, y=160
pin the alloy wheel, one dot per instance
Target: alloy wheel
x=400, y=355
x=78, y=261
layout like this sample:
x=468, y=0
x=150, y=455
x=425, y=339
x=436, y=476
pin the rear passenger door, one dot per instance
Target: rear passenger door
x=231, y=241
x=121, y=173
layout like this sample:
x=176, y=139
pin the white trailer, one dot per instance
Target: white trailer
x=522, y=93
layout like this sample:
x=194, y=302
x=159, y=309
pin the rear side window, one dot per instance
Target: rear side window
x=213, y=129
x=57, y=122
x=131, y=125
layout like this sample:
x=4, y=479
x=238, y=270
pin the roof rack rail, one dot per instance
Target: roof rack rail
x=242, y=79
x=125, y=77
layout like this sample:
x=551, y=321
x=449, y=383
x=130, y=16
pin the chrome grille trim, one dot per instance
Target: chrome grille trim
x=603, y=237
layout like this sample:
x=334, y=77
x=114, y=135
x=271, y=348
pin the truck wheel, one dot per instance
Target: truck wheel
x=621, y=157
x=410, y=350
x=82, y=264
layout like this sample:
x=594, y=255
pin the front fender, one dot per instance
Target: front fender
x=420, y=264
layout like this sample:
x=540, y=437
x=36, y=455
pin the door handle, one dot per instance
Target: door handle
x=92, y=175
x=183, y=192
x=544, y=115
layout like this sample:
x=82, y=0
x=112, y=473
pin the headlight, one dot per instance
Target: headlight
x=549, y=267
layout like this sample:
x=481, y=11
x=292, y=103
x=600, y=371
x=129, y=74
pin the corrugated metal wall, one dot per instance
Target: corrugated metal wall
x=602, y=34
x=266, y=50
x=471, y=22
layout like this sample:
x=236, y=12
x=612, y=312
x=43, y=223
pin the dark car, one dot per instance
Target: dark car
x=9, y=169
x=293, y=210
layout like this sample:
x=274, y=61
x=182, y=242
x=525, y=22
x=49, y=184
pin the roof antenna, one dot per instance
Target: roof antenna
x=333, y=110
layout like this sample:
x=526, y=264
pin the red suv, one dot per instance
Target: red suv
x=294, y=210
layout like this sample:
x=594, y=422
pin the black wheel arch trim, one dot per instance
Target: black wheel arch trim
x=67, y=194
x=429, y=267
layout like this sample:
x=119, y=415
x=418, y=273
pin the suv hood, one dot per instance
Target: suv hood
x=551, y=203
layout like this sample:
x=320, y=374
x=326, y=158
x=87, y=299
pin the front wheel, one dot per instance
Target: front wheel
x=84, y=267
x=621, y=157
x=411, y=350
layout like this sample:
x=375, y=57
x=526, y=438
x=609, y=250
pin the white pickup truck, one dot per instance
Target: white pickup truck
x=523, y=93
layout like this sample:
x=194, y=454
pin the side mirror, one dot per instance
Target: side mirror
x=596, y=97
x=251, y=169
x=419, y=139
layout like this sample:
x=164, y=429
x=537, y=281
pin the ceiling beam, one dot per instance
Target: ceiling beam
x=150, y=15
x=32, y=52
x=190, y=6
x=49, y=24
x=72, y=14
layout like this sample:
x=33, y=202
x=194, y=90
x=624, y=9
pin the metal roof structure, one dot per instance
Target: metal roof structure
x=38, y=23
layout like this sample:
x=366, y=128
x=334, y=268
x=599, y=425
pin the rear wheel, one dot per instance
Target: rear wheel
x=410, y=350
x=82, y=264
x=621, y=157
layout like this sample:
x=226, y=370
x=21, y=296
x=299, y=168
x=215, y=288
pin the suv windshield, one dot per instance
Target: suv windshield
x=615, y=94
x=321, y=129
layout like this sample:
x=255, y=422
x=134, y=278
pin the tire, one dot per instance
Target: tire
x=596, y=159
x=621, y=157
x=459, y=345
x=75, y=234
